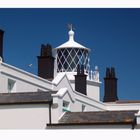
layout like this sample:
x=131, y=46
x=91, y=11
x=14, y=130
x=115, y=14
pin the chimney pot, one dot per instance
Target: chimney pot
x=80, y=80
x=46, y=62
x=110, y=86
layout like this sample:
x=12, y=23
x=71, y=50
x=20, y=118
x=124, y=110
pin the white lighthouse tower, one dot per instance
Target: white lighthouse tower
x=69, y=56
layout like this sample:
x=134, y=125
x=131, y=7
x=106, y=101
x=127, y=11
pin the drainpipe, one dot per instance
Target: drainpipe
x=50, y=113
x=133, y=124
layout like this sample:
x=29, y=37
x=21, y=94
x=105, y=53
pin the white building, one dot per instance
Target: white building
x=64, y=89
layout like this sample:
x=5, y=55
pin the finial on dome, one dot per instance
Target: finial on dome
x=71, y=32
x=70, y=27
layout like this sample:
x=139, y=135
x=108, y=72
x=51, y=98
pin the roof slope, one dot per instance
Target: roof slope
x=25, y=97
x=100, y=117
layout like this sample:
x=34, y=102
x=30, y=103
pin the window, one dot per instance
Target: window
x=66, y=106
x=83, y=108
x=11, y=86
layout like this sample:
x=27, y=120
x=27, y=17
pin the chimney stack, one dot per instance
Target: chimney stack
x=80, y=80
x=1, y=43
x=110, y=86
x=46, y=63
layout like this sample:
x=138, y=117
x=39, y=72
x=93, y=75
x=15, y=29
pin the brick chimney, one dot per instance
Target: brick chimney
x=46, y=63
x=110, y=86
x=1, y=43
x=80, y=80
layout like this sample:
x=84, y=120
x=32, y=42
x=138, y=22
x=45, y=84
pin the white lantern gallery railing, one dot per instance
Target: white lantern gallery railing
x=93, y=75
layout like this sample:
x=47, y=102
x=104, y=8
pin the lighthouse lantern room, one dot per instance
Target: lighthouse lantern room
x=71, y=54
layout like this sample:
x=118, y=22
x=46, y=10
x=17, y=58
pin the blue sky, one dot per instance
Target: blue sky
x=113, y=35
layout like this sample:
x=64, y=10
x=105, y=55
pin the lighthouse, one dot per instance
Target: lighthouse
x=73, y=60
x=69, y=57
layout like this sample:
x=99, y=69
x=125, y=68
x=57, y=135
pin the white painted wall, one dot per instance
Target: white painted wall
x=24, y=116
x=126, y=106
x=24, y=81
x=91, y=104
x=57, y=107
x=62, y=81
x=93, y=88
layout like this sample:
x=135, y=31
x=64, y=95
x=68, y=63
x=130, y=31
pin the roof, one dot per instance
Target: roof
x=25, y=98
x=71, y=43
x=98, y=118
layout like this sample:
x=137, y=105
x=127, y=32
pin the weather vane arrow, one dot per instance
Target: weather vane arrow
x=70, y=27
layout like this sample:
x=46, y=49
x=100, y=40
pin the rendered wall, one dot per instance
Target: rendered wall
x=57, y=107
x=24, y=82
x=93, y=89
x=79, y=99
x=24, y=116
x=129, y=106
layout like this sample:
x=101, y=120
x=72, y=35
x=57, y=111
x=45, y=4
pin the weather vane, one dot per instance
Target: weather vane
x=70, y=27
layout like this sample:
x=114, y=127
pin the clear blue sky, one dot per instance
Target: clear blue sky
x=113, y=35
